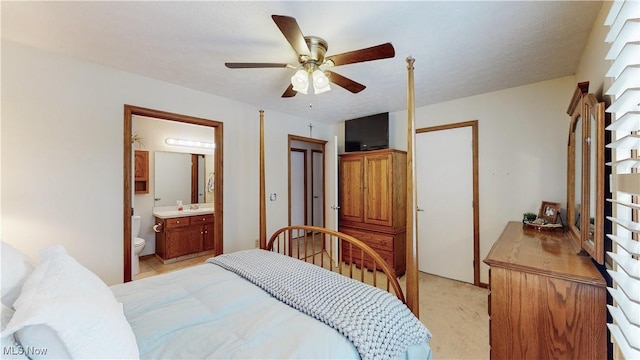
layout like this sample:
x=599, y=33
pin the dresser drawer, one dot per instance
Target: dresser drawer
x=377, y=241
x=355, y=256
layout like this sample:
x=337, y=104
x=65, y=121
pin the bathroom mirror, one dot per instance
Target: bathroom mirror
x=585, y=173
x=182, y=176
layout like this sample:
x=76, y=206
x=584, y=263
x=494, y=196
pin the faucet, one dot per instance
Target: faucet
x=193, y=207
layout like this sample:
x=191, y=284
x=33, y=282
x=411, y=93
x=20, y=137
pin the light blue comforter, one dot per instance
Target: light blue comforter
x=377, y=323
x=207, y=312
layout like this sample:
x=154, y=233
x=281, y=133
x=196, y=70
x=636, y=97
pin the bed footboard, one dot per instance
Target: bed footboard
x=337, y=252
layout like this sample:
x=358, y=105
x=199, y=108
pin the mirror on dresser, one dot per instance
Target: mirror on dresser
x=593, y=240
x=585, y=173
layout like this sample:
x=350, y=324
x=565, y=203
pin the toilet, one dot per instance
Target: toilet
x=137, y=244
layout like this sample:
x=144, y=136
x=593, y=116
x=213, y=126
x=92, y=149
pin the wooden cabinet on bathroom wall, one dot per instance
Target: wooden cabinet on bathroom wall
x=372, y=198
x=180, y=237
x=141, y=172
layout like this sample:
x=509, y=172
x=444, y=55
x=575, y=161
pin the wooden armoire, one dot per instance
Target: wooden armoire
x=372, y=198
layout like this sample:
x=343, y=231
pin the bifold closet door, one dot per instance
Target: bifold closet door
x=297, y=201
x=317, y=188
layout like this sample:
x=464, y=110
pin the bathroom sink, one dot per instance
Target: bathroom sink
x=199, y=210
x=186, y=212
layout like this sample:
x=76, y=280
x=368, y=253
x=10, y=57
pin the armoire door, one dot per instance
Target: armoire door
x=351, y=188
x=378, y=190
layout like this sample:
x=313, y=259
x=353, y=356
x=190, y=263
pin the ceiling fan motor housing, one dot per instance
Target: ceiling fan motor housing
x=317, y=49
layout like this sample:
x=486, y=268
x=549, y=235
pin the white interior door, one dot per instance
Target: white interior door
x=331, y=193
x=444, y=176
x=331, y=183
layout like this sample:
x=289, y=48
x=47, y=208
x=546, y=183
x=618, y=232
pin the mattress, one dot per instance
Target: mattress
x=208, y=312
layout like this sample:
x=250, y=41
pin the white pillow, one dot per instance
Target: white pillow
x=10, y=348
x=66, y=308
x=5, y=316
x=15, y=269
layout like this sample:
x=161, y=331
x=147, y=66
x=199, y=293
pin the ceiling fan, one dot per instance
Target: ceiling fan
x=311, y=52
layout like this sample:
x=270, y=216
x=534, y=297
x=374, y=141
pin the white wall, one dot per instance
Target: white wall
x=522, y=138
x=593, y=66
x=276, y=145
x=522, y=146
x=62, y=155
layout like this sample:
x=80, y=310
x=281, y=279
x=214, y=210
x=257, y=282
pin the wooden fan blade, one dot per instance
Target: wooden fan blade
x=253, y=65
x=378, y=52
x=289, y=92
x=344, y=82
x=291, y=31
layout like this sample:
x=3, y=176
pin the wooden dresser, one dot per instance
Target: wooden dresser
x=373, y=196
x=546, y=302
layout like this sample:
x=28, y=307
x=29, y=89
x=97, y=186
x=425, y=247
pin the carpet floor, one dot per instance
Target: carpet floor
x=456, y=314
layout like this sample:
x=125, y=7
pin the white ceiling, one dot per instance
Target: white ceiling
x=460, y=48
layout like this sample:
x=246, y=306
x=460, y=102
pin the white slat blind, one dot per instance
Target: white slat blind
x=624, y=37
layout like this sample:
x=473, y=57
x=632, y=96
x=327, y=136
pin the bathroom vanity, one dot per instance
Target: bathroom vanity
x=184, y=234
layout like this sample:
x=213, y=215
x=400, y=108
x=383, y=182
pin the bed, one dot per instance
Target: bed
x=299, y=299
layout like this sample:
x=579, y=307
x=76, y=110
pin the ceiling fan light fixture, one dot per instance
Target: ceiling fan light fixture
x=300, y=81
x=320, y=82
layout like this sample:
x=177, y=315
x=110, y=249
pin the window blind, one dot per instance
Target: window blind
x=624, y=54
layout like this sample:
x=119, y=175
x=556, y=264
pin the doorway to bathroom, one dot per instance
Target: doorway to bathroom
x=212, y=183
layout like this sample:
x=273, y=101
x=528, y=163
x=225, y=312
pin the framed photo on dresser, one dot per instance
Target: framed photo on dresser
x=549, y=211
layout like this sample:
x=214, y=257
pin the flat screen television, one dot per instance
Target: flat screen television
x=367, y=133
